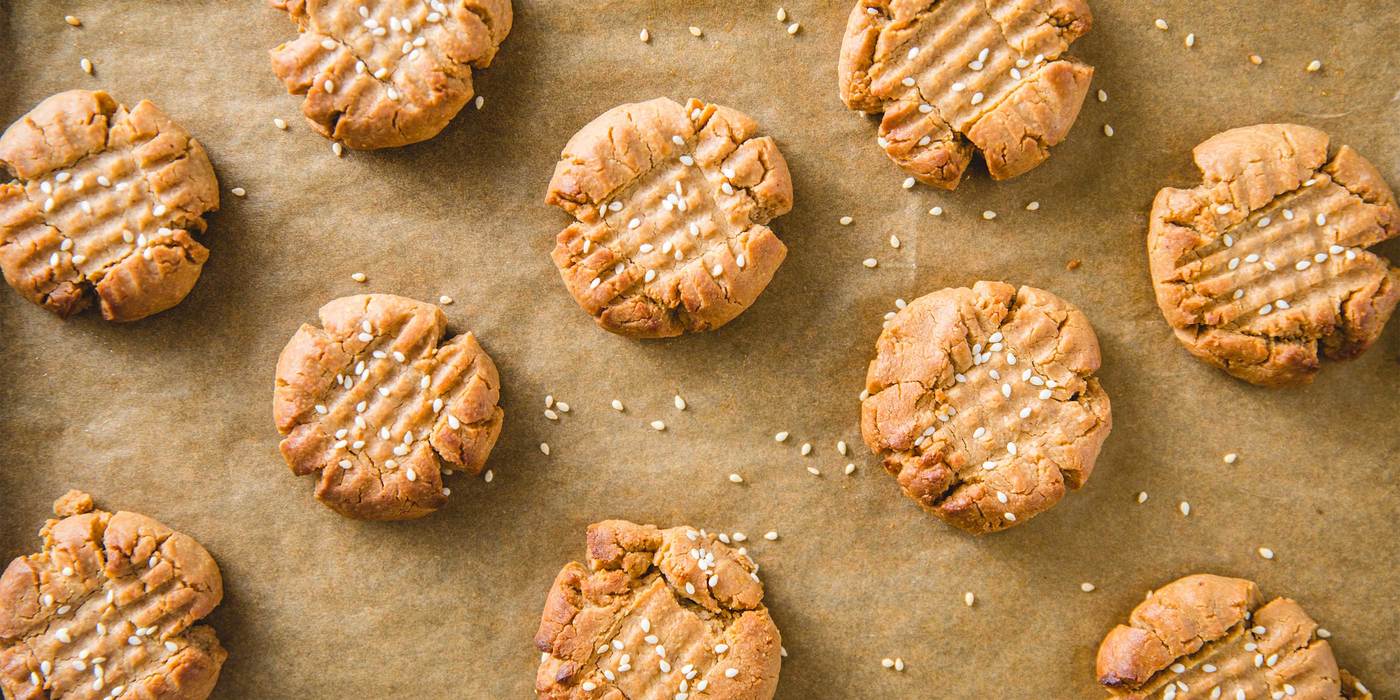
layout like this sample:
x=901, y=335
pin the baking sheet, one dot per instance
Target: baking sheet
x=171, y=416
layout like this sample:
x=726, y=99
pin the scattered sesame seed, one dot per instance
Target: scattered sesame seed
x=782, y=15
x=1086, y=587
x=846, y=220
x=1322, y=633
x=969, y=599
x=1190, y=40
x=680, y=403
x=645, y=35
x=337, y=149
x=870, y=262
x=1033, y=206
x=550, y=414
x=1266, y=552
x=358, y=277
x=989, y=215
x=1142, y=497
x=1161, y=24
x=841, y=447
x=239, y=192
x=781, y=436
x=1314, y=66
x=544, y=447
x=850, y=469
x=1256, y=59
x=1107, y=129
x=771, y=535
x=617, y=405
x=898, y=664
x=72, y=21
x=894, y=241
x=479, y=102
x=887, y=662
x=1103, y=96
x=1185, y=508
x=86, y=66
x=794, y=28
x=735, y=478
x=1231, y=458
x=658, y=425
x=445, y=300
x=936, y=211
x=697, y=32
x=814, y=471
x=908, y=183
x=280, y=123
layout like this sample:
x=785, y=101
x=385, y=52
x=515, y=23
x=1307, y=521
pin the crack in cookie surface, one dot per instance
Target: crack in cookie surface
x=104, y=206
x=982, y=403
x=384, y=73
x=108, y=609
x=657, y=614
x=670, y=205
x=1205, y=637
x=371, y=402
x=1263, y=268
x=957, y=76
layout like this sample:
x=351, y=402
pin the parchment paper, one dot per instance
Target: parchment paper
x=171, y=416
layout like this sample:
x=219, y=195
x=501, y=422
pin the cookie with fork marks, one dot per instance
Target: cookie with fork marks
x=671, y=206
x=373, y=402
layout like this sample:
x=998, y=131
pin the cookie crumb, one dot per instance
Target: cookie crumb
x=1142, y=497
x=1161, y=24
x=870, y=262
x=1108, y=130
x=794, y=28
x=1314, y=66
x=445, y=300
x=239, y=192
x=936, y=211
x=280, y=123
x=1033, y=206
x=781, y=436
x=735, y=478
x=1073, y=264
x=72, y=21
x=358, y=277
x=908, y=183
x=1185, y=508
x=544, y=447
x=1266, y=553
x=1256, y=59
x=1086, y=587
x=771, y=535
x=1190, y=40
x=697, y=32
x=1103, y=95
x=680, y=403
x=617, y=406
x=989, y=215
x=645, y=35
x=658, y=425
x=894, y=241
x=86, y=65
x=969, y=599
x=850, y=469
x=846, y=220
x=1231, y=458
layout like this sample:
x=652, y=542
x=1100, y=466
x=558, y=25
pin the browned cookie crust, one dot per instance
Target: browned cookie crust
x=372, y=402
x=983, y=404
x=108, y=610
x=1211, y=637
x=387, y=73
x=671, y=205
x=104, y=205
x=657, y=615
x=954, y=76
x=1263, y=267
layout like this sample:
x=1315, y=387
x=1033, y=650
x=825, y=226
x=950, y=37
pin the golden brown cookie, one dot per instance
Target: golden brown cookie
x=1211, y=637
x=983, y=404
x=103, y=207
x=390, y=72
x=372, y=402
x=957, y=76
x=108, y=610
x=1262, y=268
x=657, y=614
x=671, y=206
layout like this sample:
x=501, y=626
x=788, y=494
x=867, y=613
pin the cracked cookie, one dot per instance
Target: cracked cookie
x=983, y=405
x=384, y=73
x=1211, y=637
x=657, y=614
x=108, y=609
x=103, y=207
x=957, y=76
x=1262, y=269
x=372, y=404
x=671, y=206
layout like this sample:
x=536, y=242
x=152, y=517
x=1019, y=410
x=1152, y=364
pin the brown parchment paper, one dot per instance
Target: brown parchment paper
x=171, y=416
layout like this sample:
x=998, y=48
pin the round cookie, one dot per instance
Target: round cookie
x=385, y=74
x=1210, y=637
x=957, y=76
x=671, y=206
x=657, y=614
x=108, y=609
x=373, y=402
x=103, y=208
x=1262, y=268
x=983, y=405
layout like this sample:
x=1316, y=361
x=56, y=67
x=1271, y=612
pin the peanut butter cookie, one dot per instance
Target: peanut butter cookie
x=657, y=614
x=957, y=76
x=983, y=404
x=108, y=610
x=1211, y=637
x=104, y=206
x=385, y=73
x=671, y=206
x=1262, y=268
x=372, y=404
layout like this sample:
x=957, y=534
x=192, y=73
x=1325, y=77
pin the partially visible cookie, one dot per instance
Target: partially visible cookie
x=104, y=206
x=954, y=77
x=657, y=614
x=382, y=74
x=983, y=403
x=107, y=609
x=1262, y=269
x=671, y=206
x=372, y=403
x=1211, y=637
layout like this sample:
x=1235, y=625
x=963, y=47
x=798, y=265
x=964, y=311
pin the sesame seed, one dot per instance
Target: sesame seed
x=781, y=436
x=550, y=414
x=1086, y=587
x=908, y=183
x=544, y=447
x=237, y=192
x=1323, y=633
x=1161, y=24
x=72, y=21
x=1185, y=508
x=696, y=32
x=328, y=44
x=841, y=447
x=846, y=220
x=1142, y=497
x=1266, y=552
x=680, y=403
x=1231, y=458
x=731, y=672
x=644, y=35
x=969, y=599
x=887, y=662
x=479, y=102
x=1256, y=59
x=735, y=478
x=1190, y=40
x=658, y=425
x=1033, y=206
x=782, y=15
x=870, y=262
x=1314, y=66
x=977, y=98
x=794, y=28
x=989, y=215
x=850, y=469
x=358, y=276
x=894, y=241
x=280, y=123
x=806, y=448
x=1108, y=130
x=898, y=664
x=337, y=149
x=814, y=471
x=445, y=300
x=771, y=535
x=1103, y=96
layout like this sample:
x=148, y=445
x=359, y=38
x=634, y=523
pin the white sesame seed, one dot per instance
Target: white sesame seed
x=846, y=220
x=480, y=100
x=841, y=447
x=86, y=65
x=544, y=447
x=936, y=211
x=850, y=469
x=887, y=662
x=358, y=276
x=908, y=183
x=1231, y=458
x=894, y=241
x=1185, y=508
x=658, y=425
x=337, y=149
x=870, y=262
x=1107, y=129
x=969, y=599
x=782, y=15
x=794, y=28
x=1314, y=66
x=731, y=672
x=280, y=123
x=1190, y=40
x=696, y=32
x=1086, y=587
x=72, y=21
x=735, y=478
x=1103, y=96
x=781, y=436
x=1142, y=497
x=1266, y=552
x=977, y=98
x=1161, y=24
x=237, y=192
x=989, y=215
x=644, y=35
